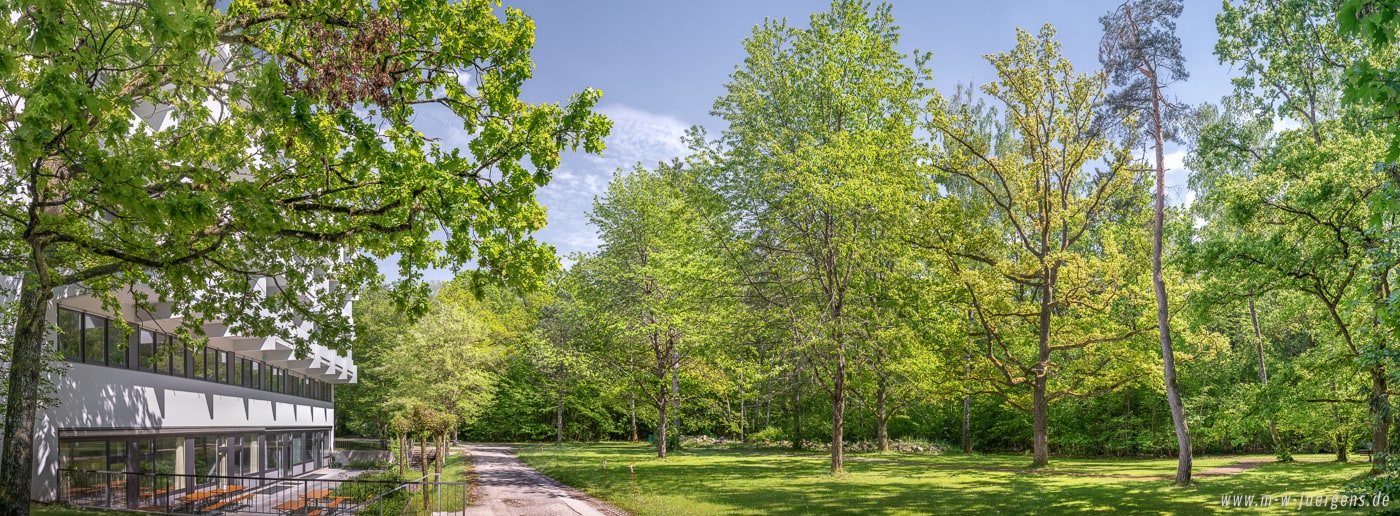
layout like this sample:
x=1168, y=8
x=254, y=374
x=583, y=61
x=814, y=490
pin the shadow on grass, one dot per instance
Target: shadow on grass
x=708, y=482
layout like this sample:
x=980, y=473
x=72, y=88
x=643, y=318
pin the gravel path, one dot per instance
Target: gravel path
x=1238, y=467
x=506, y=486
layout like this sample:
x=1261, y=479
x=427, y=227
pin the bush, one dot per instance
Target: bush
x=366, y=464
x=1386, y=484
x=768, y=435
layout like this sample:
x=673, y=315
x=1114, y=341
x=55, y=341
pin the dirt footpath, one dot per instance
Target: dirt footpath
x=506, y=486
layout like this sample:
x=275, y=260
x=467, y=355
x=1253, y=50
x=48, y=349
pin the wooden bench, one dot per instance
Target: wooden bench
x=226, y=503
x=1367, y=451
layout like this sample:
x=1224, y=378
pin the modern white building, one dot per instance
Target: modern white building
x=148, y=402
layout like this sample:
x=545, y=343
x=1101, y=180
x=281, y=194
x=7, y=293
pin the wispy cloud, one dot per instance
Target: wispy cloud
x=1178, y=191
x=637, y=137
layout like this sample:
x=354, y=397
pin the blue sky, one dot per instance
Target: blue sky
x=661, y=64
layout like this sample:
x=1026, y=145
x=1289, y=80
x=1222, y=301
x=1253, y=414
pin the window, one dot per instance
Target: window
x=70, y=336
x=179, y=356
x=162, y=354
x=116, y=347
x=145, y=350
x=94, y=339
x=222, y=367
x=97, y=340
x=206, y=459
x=196, y=362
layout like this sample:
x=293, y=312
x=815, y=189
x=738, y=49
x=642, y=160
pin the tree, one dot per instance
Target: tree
x=558, y=348
x=1370, y=84
x=818, y=163
x=650, y=279
x=294, y=158
x=1049, y=258
x=1142, y=55
x=447, y=359
x=363, y=406
x=1306, y=197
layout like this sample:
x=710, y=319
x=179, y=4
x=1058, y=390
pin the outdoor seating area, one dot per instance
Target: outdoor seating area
x=317, y=502
x=176, y=494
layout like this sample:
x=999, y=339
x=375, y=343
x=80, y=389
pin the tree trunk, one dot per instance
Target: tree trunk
x=676, y=395
x=403, y=454
x=1380, y=397
x=882, y=418
x=1342, y=439
x=1040, y=411
x=967, y=403
x=1264, y=374
x=632, y=399
x=742, y=414
x=1159, y=287
x=838, y=411
x=441, y=443
x=559, y=417
x=1040, y=443
x=967, y=424
x=26, y=368
x=661, y=404
x=423, y=465
x=767, y=402
x=797, y=412
x=1381, y=417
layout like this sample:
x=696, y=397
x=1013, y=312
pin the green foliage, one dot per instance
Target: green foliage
x=377, y=485
x=366, y=464
x=1386, y=483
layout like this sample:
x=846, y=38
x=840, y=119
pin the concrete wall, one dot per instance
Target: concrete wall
x=93, y=399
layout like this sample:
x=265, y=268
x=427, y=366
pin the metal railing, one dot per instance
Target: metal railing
x=217, y=494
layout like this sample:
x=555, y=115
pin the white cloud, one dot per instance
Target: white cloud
x=637, y=137
x=1285, y=124
x=1178, y=193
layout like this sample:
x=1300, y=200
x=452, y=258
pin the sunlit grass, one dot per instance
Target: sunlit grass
x=729, y=482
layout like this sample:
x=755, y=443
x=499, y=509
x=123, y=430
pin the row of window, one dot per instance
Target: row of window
x=93, y=339
x=229, y=455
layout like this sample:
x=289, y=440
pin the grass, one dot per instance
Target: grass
x=699, y=481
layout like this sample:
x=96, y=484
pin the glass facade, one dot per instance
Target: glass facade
x=203, y=456
x=93, y=339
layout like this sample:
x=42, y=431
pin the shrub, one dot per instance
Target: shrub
x=366, y=464
x=1386, y=484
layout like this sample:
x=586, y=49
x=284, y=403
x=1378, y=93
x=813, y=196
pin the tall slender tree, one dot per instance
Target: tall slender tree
x=818, y=161
x=1142, y=55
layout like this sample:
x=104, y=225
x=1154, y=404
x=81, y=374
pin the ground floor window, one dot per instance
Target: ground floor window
x=272, y=454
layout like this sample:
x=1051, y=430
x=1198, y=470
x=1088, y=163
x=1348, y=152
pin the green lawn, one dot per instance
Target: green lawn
x=730, y=482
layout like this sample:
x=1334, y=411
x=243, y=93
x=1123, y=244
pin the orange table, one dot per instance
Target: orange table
x=200, y=495
x=318, y=493
x=290, y=506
